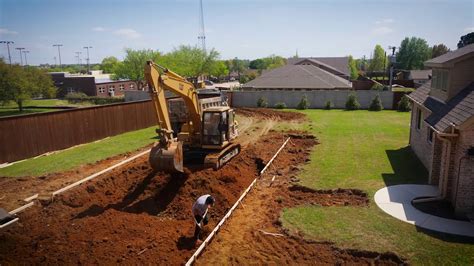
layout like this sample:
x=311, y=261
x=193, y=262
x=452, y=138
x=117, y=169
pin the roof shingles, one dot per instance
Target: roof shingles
x=456, y=111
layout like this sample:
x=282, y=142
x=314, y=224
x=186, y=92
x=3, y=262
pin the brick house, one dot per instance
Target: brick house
x=95, y=84
x=442, y=127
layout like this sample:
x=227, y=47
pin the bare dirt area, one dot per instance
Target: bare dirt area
x=15, y=189
x=271, y=114
x=131, y=214
x=254, y=234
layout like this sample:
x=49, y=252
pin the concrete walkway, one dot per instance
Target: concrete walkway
x=396, y=201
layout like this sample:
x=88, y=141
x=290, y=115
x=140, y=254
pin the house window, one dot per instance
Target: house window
x=440, y=79
x=101, y=90
x=111, y=88
x=70, y=90
x=121, y=87
x=132, y=86
x=430, y=135
x=419, y=117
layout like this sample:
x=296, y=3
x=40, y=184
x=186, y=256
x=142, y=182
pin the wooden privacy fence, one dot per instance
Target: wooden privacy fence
x=31, y=135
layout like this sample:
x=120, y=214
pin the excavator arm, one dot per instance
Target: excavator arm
x=168, y=155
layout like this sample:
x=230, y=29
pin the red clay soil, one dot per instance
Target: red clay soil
x=271, y=114
x=254, y=234
x=131, y=214
x=15, y=189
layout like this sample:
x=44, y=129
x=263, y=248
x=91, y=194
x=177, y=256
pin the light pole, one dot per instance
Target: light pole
x=8, y=48
x=26, y=61
x=78, y=55
x=88, y=67
x=21, y=56
x=59, y=53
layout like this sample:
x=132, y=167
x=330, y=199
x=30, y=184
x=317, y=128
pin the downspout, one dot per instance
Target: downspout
x=444, y=137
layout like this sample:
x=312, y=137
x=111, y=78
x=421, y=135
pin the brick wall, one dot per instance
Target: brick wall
x=418, y=140
x=462, y=189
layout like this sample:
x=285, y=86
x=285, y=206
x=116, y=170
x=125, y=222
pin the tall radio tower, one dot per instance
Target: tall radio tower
x=202, y=35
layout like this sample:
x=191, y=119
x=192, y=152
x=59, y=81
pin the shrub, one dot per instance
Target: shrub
x=376, y=104
x=404, y=104
x=95, y=100
x=328, y=105
x=304, y=103
x=352, y=103
x=262, y=102
x=73, y=95
x=280, y=105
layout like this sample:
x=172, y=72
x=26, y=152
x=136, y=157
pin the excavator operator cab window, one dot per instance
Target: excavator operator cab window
x=215, y=126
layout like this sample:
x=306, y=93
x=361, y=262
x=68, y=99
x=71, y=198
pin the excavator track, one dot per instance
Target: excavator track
x=218, y=159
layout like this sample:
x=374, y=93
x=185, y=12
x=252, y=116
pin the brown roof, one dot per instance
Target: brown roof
x=451, y=56
x=456, y=111
x=341, y=64
x=298, y=77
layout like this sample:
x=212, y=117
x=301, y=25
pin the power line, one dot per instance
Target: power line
x=88, y=66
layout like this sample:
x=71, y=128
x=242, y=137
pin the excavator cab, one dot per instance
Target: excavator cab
x=218, y=127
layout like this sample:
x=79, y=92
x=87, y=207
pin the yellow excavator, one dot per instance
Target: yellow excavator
x=207, y=137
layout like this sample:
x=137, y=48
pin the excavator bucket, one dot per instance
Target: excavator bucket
x=169, y=159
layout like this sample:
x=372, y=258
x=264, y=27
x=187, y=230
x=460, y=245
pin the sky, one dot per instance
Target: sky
x=235, y=28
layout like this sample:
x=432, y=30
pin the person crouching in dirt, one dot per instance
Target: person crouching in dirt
x=200, y=211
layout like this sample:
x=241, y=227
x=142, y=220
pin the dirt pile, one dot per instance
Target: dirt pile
x=270, y=114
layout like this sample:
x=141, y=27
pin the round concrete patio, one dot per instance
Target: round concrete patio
x=396, y=201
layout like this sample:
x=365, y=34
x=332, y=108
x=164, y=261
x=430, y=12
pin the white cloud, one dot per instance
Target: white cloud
x=469, y=29
x=127, y=33
x=99, y=29
x=7, y=31
x=382, y=30
x=385, y=21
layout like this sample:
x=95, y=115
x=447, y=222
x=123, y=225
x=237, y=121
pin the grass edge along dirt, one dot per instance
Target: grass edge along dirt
x=366, y=150
x=88, y=153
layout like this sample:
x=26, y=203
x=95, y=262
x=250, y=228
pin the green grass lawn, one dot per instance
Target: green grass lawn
x=367, y=150
x=11, y=108
x=88, y=153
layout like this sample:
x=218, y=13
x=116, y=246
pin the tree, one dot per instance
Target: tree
x=238, y=66
x=378, y=61
x=353, y=68
x=219, y=69
x=262, y=102
x=404, y=104
x=376, y=104
x=189, y=61
x=466, y=39
x=439, y=49
x=257, y=64
x=132, y=67
x=269, y=62
x=413, y=52
x=19, y=84
x=109, y=64
x=352, y=103
x=304, y=103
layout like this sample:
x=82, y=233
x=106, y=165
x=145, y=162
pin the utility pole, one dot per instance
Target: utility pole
x=392, y=61
x=88, y=60
x=59, y=52
x=55, y=63
x=26, y=61
x=21, y=56
x=8, y=48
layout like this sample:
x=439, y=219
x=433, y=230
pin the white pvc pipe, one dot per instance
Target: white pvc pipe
x=228, y=214
x=99, y=173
